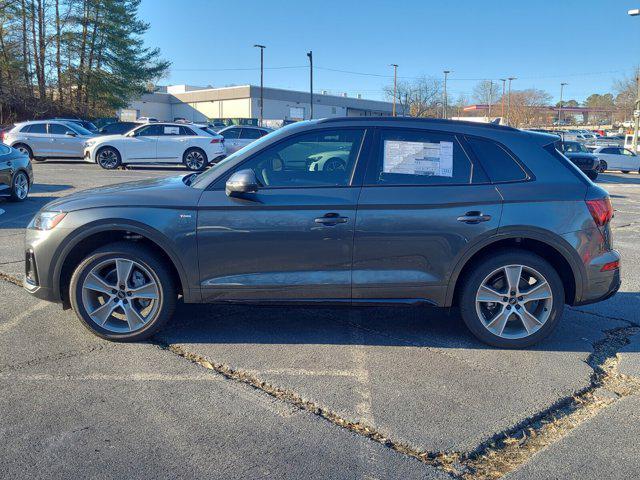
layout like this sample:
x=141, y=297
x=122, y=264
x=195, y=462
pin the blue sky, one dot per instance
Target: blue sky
x=587, y=43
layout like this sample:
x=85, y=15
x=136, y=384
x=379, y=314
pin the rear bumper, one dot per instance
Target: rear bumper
x=601, y=285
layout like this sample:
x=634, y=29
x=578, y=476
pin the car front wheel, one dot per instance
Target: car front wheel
x=19, y=187
x=512, y=300
x=108, y=158
x=123, y=292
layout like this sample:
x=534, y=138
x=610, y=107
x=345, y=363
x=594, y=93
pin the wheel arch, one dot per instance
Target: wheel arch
x=107, y=145
x=549, y=246
x=101, y=233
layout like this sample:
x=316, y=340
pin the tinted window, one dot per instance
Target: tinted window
x=186, y=131
x=613, y=151
x=57, y=129
x=315, y=159
x=496, y=161
x=118, y=127
x=250, y=133
x=36, y=128
x=412, y=157
x=149, y=131
x=231, y=133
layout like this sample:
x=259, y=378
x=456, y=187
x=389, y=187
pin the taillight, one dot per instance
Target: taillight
x=217, y=139
x=601, y=210
x=607, y=267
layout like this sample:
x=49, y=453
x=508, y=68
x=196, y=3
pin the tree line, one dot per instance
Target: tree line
x=72, y=57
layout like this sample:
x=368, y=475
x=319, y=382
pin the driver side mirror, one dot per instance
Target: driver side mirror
x=243, y=181
x=69, y=133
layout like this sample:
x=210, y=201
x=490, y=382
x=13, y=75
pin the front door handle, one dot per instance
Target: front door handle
x=331, y=219
x=474, y=217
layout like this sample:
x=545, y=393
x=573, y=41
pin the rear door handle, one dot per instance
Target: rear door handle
x=331, y=219
x=474, y=217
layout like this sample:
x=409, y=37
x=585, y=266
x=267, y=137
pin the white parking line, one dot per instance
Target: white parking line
x=5, y=327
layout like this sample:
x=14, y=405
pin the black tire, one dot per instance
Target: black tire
x=195, y=159
x=108, y=158
x=603, y=166
x=592, y=175
x=23, y=147
x=624, y=171
x=484, y=268
x=152, y=262
x=19, y=182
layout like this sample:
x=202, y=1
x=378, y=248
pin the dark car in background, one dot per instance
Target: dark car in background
x=118, y=128
x=581, y=156
x=353, y=211
x=16, y=174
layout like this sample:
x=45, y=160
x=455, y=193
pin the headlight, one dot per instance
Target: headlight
x=89, y=143
x=46, y=220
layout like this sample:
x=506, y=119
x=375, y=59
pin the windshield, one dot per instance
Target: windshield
x=572, y=147
x=79, y=129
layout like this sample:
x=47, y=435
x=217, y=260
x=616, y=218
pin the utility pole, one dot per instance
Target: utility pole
x=261, y=47
x=560, y=104
x=509, y=100
x=504, y=81
x=395, y=87
x=444, y=104
x=490, y=98
x=636, y=119
x=310, y=55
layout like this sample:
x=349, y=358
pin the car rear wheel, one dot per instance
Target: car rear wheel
x=108, y=158
x=512, y=300
x=592, y=174
x=195, y=159
x=26, y=150
x=603, y=166
x=123, y=292
x=19, y=187
x=624, y=171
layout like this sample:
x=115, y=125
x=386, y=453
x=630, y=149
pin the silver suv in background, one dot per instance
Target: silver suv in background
x=45, y=139
x=238, y=136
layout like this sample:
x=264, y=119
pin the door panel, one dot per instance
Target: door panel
x=269, y=246
x=408, y=239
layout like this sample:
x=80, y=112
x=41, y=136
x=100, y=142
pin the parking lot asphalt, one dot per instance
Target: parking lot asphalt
x=252, y=392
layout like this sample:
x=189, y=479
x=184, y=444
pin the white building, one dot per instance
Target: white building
x=242, y=103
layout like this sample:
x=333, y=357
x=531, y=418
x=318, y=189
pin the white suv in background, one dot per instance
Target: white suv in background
x=156, y=143
x=48, y=139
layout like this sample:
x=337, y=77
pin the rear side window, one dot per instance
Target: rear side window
x=186, y=131
x=35, y=128
x=496, y=161
x=415, y=157
x=231, y=133
x=250, y=133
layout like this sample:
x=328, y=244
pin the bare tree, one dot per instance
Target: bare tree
x=486, y=93
x=419, y=98
x=528, y=107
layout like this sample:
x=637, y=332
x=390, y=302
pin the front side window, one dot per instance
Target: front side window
x=250, y=133
x=57, y=129
x=149, y=131
x=414, y=157
x=317, y=159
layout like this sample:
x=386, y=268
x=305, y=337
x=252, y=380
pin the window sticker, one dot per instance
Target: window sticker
x=172, y=130
x=418, y=158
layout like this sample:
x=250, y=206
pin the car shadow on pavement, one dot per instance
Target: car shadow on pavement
x=49, y=188
x=381, y=326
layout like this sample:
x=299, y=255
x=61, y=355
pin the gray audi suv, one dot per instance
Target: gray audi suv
x=357, y=211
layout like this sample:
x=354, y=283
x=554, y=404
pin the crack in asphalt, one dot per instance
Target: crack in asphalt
x=505, y=451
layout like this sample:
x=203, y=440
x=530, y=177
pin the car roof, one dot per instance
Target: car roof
x=419, y=121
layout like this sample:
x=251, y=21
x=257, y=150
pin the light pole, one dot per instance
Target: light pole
x=560, y=104
x=490, y=98
x=504, y=81
x=509, y=100
x=636, y=119
x=395, y=87
x=444, y=103
x=310, y=55
x=261, y=47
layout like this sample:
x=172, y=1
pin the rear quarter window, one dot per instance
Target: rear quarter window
x=499, y=164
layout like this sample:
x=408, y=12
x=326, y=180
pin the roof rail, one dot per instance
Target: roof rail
x=437, y=121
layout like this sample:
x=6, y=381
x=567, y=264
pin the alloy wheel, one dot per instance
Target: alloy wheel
x=514, y=301
x=194, y=160
x=108, y=159
x=121, y=295
x=20, y=186
x=24, y=150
